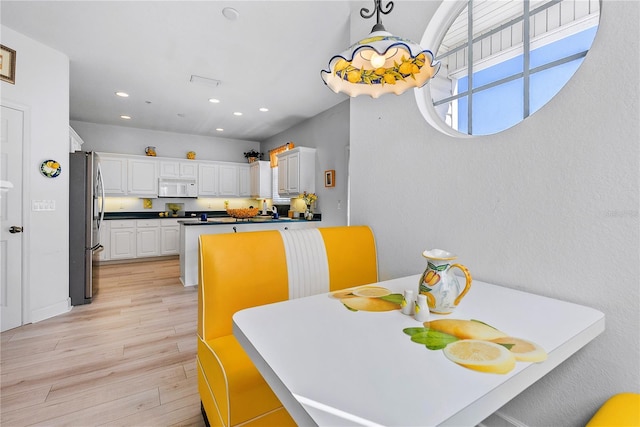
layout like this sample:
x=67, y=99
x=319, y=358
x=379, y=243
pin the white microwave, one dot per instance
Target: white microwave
x=177, y=188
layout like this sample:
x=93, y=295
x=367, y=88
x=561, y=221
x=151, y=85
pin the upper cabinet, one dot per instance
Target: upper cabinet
x=114, y=174
x=244, y=181
x=260, y=176
x=137, y=176
x=176, y=169
x=297, y=171
x=228, y=179
x=223, y=179
x=208, y=179
x=142, y=177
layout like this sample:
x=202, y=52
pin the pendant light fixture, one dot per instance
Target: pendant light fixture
x=381, y=63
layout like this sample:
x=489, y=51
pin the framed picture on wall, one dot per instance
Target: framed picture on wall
x=330, y=178
x=7, y=64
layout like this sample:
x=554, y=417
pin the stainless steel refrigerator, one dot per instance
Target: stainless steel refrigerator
x=86, y=216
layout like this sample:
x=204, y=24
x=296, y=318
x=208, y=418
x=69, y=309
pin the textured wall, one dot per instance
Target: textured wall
x=549, y=206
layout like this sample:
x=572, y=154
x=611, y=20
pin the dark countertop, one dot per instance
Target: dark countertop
x=193, y=217
x=156, y=215
x=229, y=220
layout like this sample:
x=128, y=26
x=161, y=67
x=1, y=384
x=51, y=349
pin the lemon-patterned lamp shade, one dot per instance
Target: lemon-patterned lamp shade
x=381, y=63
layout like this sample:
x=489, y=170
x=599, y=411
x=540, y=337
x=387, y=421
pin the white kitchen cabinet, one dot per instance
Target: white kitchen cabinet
x=208, y=179
x=105, y=238
x=114, y=174
x=178, y=169
x=147, y=238
x=244, y=181
x=122, y=242
x=297, y=171
x=169, y=237
x=228, y=179
x=142, y=177
x=260, y=177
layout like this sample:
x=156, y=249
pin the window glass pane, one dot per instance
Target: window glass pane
x=562, y=48
x=544, y=85
x=463, y=111
x=499, y=71
x=498, y=108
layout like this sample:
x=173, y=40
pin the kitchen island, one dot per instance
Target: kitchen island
x=191, y=229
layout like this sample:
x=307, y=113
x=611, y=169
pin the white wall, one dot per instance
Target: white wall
x=549, y=206
x=128, y=140
x=42, y=85
x=328, y=132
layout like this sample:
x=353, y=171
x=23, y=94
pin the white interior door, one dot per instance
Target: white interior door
x=11, y=142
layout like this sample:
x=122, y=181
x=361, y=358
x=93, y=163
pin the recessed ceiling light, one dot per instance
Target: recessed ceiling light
x=122, y=94
x=237, y=113
x=263, y=109
x=125, y=117
x=214, y=101
x=230, y=13
x=219, y=129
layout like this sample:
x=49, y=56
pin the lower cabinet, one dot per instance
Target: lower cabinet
x=130, y=239
x=147, y=238
x=122, y=239
x=169, y=237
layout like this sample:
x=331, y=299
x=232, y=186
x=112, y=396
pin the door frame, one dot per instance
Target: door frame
x=26, y=205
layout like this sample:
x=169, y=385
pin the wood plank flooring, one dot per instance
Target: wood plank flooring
x=126, y=359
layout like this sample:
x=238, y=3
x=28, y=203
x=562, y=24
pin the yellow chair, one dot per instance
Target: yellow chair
x=242, y=270
x=621, y=410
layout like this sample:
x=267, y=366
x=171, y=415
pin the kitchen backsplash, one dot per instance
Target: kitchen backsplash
x=134, y=204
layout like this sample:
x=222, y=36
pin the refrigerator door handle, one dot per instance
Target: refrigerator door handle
x=101, y=190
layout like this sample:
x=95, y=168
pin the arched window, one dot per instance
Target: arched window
x=502, y=60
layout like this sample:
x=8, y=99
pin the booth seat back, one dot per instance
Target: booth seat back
x=242, y=270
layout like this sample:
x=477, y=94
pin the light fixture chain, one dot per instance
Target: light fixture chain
x=365, y=13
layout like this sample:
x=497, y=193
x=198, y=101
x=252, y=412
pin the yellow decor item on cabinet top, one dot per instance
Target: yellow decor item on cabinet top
x=191, y=155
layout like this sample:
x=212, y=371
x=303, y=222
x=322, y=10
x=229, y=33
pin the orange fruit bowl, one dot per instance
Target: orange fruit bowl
x=243, y=213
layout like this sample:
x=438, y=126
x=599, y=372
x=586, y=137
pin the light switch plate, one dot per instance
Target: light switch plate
x=43, y=205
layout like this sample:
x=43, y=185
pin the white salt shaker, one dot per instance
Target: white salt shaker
x=407, y=302
x=422, y=310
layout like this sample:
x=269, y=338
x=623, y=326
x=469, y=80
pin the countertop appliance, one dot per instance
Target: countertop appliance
x=86, y=216
x=177, y=187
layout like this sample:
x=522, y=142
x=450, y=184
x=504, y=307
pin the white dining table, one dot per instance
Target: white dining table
x=331, y=366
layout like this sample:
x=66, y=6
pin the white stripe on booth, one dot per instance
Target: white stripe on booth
x=307, y=264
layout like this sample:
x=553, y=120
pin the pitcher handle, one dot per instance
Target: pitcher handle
x=467, y=285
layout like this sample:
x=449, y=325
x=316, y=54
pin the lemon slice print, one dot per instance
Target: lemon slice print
x=369, y=304
x=523, y=350
x=481, y=356
x=465, y=329
x=372, y=292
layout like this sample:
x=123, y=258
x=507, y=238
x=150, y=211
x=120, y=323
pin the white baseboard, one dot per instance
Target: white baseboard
x=500, y=419
x=51, y=311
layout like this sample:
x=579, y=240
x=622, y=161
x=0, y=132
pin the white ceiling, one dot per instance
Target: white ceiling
x=270, y=56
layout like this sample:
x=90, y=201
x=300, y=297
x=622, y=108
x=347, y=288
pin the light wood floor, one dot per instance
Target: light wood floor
x=127, y=359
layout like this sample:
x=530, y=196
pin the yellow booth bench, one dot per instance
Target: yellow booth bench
x=242, y=270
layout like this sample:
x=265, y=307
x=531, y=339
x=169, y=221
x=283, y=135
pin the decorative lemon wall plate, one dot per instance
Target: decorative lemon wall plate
x=50, y=168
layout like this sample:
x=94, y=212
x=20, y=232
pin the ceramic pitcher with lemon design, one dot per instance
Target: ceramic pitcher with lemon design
x=439, y=284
